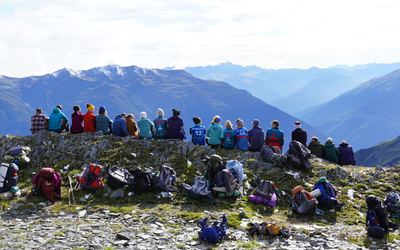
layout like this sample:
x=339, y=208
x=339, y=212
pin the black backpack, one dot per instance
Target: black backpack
x=8, y=176
x=377, y=221
x=118, y=177
x=266, y=189
x=143, y=181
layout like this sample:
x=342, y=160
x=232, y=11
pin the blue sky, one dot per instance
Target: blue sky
x=38, y=37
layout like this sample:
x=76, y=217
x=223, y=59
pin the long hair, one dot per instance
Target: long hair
x=215, y=119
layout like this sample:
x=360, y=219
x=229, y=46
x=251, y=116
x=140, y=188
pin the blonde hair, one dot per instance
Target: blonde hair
x=215, y=119
x=228, y=124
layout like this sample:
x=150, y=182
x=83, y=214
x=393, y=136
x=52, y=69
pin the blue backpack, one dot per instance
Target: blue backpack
x=215, y=233
x=328, y=197
x=199, y=190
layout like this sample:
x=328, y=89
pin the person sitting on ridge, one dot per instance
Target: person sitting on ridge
x=299, y=134
x=275, y=137
x=346, y=156
x=64, y=125
x=316, y=147
x=119, y=126
x=242, y=137
x=77, y=120
x=161, y=125
x=146, y=127
x=89, y=119
x=56, y=119
x=330, y=151
x=256, y=137
x=215, y=132
x=37, y=121
x=131, y=126
x=198, y=132
x=229, y=139
x=175, y=129
x=103, y=122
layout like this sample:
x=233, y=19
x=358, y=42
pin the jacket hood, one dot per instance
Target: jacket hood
x=257, y=127
x=56, y=110
x=215, y=126
x=174, y=117
x=77, y=113
x=329, y=144
x=343, y=144
x=118, y=117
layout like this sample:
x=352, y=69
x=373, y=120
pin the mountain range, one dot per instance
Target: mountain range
x=386, y=153
x=132, y=90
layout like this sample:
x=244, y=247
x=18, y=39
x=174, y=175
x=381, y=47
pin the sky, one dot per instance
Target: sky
x=39, y=37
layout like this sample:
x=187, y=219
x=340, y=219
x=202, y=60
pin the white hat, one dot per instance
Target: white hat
x=143, y=115
x=160, y=112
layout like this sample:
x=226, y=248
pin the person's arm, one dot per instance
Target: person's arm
x=65, y=119
x=208, y=133
x=283, y=138
x=125, y=129
x=221, y=134
x=152, y=130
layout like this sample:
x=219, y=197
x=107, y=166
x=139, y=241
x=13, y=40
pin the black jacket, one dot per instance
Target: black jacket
x=300, y=135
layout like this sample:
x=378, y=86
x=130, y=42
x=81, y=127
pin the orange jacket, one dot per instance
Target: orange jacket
x=89, y=122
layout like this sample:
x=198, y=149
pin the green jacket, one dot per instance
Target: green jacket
x=317, y=149
x=216, y=134
x=146, y=128
x=331, y=152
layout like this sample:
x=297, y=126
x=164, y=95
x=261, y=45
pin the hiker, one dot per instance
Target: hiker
x=242, y=137
x=119, y=126
x=331, y=152
x=37, y=121
x=346, y=156
x=198, y=132
x=89, y=119
x=146, y=127
x=215, y=132
x=229, y=139
x=316, y=147
x=274, y=137
x=256, y=137
x=103, y=122
x=56, y=120
x=175, y=129
x=160, y=124
x=64, y=126
x=299, y=134
x=131, y=126
x=77, y=120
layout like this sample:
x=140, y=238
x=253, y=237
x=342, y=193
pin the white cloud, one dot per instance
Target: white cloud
x=154, y=33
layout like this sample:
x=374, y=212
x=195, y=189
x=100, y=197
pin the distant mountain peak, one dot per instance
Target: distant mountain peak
x=109, y=70
x=65, y=71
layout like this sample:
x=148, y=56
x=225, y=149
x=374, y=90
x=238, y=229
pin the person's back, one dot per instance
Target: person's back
x=256, y=137
x=131, y=125
x=103, y=122
x=55, y=119
x=346, y=156
x=316, y=147
x=89, y=119
x=275, y=136
x=215, y=132
x=299, y=134
x=242, y=137
x=331, y=152
x=175, y=128
x=37, y=121
x=146, y=127
x=77, y=120
x=198, y=132
x=160, y=124
x=228, y=141
x=119, y=126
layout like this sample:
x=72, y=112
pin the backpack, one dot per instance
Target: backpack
x=214, y=165
x=377, y=221
x=47, y=183
x=143, y=181
x=165, y=178
x=300, y=156
x=328, y=194
x=269, y=154
x=264, y=194
x=21, y=155
x=303, y=201
x=215, y=233
x=8, y=176
x=392, y=203
x=199, y=189
x=267, y=229
x=236, y=168
x=91, y=177
x=118, y=177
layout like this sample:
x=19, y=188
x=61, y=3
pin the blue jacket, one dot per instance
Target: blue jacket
x=175, y=128
x=198, y=134
x=103, y=123
x=256, y=138
x=242, y=138
x=119, y=126
x=144, y=126
x=215, y=132
x=55, y=119
x=346, y=156
x=229, y=139
x=274, y=136
x=160, y=124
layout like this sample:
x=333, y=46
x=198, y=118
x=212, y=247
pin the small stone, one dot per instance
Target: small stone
x=81, y=213
x=122, y=236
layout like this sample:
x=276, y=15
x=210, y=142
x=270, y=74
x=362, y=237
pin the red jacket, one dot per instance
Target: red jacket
x=89, y=120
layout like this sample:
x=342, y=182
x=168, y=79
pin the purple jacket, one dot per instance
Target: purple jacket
x=77, y=120
x=256, y=138
x=175, y=128
x=346, y=155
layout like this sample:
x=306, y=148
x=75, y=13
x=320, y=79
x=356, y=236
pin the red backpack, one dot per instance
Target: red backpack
x=91, y=178
x=47, y=183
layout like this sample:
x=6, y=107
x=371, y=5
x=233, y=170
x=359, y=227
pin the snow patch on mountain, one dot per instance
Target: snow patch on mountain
x=144, y=71
x=65, y=70
x=110, y=70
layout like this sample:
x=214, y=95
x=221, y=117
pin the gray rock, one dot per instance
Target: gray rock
x=119, y=193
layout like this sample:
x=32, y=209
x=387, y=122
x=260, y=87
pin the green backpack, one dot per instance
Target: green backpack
x=214, y=164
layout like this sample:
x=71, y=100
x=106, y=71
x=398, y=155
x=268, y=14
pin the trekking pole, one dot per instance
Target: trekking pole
x=280, y=197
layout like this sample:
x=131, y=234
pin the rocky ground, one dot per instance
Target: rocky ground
x=148, y=221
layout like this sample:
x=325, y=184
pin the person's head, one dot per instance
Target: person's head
x=38, y=111
x=160, y=112
x=275, y=124
x=344, y=142
x=76, y=109
x=314, y=139
x=130, y=117
x=102, y=110
x=228, y=124
x=239, y=123
x=123, y=115
x=59, y=107
x=176, y=112
x=297, y=124
x=143, y=115
x=256, y=122
x=197, y=120
x=89, y=107
x=329, y=140
x=216, y=119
